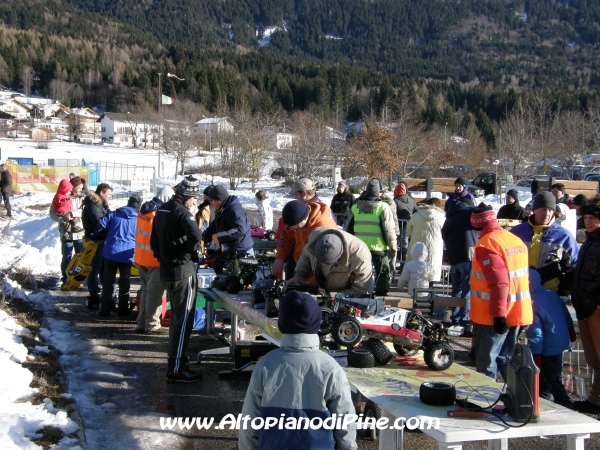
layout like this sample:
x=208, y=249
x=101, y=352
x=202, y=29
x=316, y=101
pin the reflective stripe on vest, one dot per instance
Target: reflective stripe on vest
x=143, y=255
x=515, y=255
x=367, y=227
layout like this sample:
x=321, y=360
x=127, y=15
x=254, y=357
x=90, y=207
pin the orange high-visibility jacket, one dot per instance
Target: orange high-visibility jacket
x=143, y=255
x=514, y=253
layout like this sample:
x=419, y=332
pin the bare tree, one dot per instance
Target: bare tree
x=177, y=140
x=27, y=75
x=516, y=137
x=232, y=157
x=59, y=89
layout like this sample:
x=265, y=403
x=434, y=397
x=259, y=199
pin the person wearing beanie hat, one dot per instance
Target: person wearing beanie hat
x=175, y=241
x=298, y=380
x=230, y=226
x=500, y=302
x=585, y=295
x=300, y=219
x=151, y=288
x=66, y=209
x=405, y=208
x=512, y=210
x=553, y=249
x=461, y=193
x=373, y=221
x=119, y=227
x=338, y=261
x=95, y=206
x=342, y=202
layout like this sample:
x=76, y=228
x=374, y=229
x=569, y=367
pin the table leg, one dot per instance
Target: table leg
x=390, y=439
x=498, y=444
x=576, y=441
x=233, y=336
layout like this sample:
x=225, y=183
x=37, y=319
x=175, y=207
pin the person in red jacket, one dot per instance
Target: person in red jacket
x=151, y=287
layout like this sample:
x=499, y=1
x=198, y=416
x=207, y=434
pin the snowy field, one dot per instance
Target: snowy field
x=30, y=241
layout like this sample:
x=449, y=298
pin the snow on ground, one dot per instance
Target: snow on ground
x=31, y=241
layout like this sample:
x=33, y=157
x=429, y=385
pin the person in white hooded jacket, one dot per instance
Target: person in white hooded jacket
x=417, y=273
x=426, y=226
x=264, y=218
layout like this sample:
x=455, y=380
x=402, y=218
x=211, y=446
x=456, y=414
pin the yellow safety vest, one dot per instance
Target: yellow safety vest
x=367, y=227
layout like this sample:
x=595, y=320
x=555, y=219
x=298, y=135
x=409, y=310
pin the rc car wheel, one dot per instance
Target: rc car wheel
x=361, y=358
x=347, y=331
x=373, y=410
x=380, y=350
x=232, y=285
x=438, y=356
x=271, y=235
x=325, y=327
x=437, y=394
x=405, y=351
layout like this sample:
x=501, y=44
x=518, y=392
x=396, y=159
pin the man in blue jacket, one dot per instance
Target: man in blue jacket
x=548, y=337
x=119, y=246
x=230, y=226
x=298, y=381
x=553, y=249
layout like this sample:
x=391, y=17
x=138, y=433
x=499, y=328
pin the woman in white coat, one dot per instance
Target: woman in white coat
x=264, y=218
x=426, y=226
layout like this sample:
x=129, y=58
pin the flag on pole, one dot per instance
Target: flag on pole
x=172, y=75
x=167, y=100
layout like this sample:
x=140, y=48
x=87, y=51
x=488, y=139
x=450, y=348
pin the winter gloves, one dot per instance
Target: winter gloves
x=500, y=325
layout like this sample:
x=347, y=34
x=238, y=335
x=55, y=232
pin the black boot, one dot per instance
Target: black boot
x=92, y=301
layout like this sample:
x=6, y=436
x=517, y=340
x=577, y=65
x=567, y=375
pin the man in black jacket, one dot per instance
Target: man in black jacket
x=512, y=210
x=460, y=239
x=405, y=208
x=230, y=226
x=95, y=207
x=6, y=188
x=175, y=241
x=342, y=202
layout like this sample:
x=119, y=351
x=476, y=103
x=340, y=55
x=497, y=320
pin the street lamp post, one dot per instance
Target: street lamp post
x=159, y=122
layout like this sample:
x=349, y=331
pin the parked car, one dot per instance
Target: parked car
x=526, y=182
x=491, y=182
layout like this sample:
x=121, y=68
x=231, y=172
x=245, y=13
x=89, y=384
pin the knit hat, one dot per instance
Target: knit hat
x=579, y=199
x=373, y=188
x=460, y=180
x=482, y=215
x=218, y=192
x=544, y=200
x=207, y=189
x=135, y=201
x=294, y=212
x=400, y=189
x=188, y=187
x=75, y=181
x=591, y=207
x=342, y=183
x=513, y=193
x=302, y=184
x=299, y=313
x=165, y=194
x=328, y=249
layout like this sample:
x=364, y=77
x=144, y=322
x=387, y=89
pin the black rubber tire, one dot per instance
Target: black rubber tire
x=372, y=409
x=380, y=350
x=347, y=331
x=405, y=351
x=233, y=285
x=325, y=327
x=438, y=356
x=361, y=358
x=437, y=394
x=271, y=235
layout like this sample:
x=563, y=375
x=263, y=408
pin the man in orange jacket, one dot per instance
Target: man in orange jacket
x=500, y=299
x=300, y=219
x=151, y=287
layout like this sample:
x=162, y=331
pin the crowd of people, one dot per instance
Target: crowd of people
x=510, y=280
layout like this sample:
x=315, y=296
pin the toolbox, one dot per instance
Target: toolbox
x=247, y=351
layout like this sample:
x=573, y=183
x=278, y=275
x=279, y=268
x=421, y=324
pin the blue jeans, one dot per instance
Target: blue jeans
x=96, y=273
x=66, y=249
x=492, y=350
x=460, y=276
x=550, y=380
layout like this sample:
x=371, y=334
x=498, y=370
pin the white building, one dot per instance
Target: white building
x=208, y=126
x=15, y=108
x=127, y=130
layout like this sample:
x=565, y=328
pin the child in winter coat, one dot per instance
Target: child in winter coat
x=264, y=218
x=417, y=273
x=62, y=204
x=548, y=337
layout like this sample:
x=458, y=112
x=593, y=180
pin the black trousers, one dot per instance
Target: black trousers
x=6, y=199
x=182, y=296
x=108, y=279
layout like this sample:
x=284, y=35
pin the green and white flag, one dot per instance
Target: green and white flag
x=167, y=100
